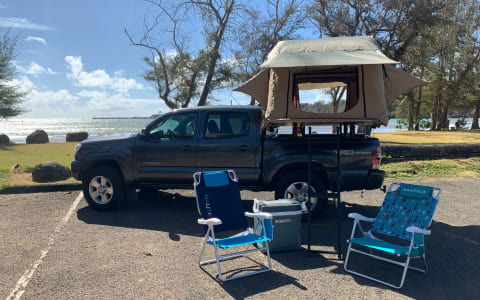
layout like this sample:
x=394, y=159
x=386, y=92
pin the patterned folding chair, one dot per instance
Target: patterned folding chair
x=404, y=217
x=220, y=205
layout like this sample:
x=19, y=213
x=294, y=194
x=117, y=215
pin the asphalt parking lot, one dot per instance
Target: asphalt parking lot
x=53, y=246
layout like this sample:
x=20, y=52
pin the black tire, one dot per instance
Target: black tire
x=298, y=178
x=110, y=190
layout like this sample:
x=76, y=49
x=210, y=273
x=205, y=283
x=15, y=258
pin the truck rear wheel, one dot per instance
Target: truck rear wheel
x=295, y=186
x=103, y=188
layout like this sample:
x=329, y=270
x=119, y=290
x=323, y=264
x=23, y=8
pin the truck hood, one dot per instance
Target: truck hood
x=113, y=139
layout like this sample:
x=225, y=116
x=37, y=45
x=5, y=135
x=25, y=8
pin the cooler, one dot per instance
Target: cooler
x=287, y=218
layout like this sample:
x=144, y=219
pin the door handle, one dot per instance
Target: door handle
x=188, y=148
x=244, y=148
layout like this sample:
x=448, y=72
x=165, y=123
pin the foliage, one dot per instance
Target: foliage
x=10, y=94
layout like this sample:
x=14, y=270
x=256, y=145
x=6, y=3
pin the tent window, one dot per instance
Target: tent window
x=326, y=92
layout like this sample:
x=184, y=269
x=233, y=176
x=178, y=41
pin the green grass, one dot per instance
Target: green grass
x=433, y=168
x=30, y=155
x=3, y=177
x=429, y=137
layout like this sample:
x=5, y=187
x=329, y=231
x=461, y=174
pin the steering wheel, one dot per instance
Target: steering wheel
x=170, y=134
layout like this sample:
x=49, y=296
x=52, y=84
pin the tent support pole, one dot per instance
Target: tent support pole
x=309, y=231
x=337, y=198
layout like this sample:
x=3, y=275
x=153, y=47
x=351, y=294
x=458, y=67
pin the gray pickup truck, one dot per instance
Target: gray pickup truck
x=170, y=149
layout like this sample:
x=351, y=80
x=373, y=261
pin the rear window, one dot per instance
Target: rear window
x=331, y=91
x=226, y=124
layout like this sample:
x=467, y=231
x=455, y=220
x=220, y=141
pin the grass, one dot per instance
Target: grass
x=433, y=168
x=30, y=155
x=429, y=137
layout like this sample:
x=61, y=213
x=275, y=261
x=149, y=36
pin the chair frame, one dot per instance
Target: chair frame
x=405, y=264
x=212, y=222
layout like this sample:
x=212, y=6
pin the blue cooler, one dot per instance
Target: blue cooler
x=287, y=220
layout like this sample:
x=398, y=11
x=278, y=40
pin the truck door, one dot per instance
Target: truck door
x=228, y=141
x=167, y=151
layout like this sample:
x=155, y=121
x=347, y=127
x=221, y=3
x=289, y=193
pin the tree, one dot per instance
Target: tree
x=188, y=73
x=10, y=95
x=395, y=25
x=261, y=31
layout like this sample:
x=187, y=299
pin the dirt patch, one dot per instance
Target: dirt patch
x=21, y=178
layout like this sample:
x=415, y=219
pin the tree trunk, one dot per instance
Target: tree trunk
x=476, y=115
x=252, y=101
x=212, y=63
x=410, y=110
x=443, y=122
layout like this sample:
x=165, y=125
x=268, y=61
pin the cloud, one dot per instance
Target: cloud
x=36, y=39
x=98, y=78
x=22, y=23
x=34, y=69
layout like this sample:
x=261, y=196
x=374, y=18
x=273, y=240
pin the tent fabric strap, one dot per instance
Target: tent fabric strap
x=363, y=92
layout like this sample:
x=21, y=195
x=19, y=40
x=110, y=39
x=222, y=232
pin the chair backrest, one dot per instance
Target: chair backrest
x=405, y=205
x=218, y=196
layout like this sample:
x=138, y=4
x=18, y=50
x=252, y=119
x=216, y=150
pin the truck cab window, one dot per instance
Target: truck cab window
x=226, y=125
x=177, y=126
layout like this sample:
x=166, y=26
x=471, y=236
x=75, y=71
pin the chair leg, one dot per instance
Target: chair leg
x=268, y=254
x=204, y=241
x=404, y=265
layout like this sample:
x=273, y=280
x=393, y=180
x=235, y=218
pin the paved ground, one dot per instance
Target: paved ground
x=149, y=251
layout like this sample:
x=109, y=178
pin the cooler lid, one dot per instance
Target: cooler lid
x=280, y=205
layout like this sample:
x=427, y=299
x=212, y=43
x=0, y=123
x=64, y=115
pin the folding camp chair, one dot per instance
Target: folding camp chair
x=220, y=205
x=405, y=215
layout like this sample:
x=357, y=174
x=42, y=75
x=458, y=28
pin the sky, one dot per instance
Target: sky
x=76, y=61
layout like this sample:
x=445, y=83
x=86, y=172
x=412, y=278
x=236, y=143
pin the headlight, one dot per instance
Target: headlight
x=77, y=147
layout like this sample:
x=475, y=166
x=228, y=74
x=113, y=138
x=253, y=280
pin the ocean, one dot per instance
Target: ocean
x=17, y=129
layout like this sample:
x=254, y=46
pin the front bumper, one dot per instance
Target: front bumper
x=75, y=167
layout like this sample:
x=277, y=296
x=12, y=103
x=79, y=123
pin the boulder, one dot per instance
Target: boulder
x=37, y=137
x=4, y=139
x=50, y=171
x=76, y=136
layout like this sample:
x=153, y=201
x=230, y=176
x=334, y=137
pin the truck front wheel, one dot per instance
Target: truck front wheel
x=295, y=186
x=103, y=188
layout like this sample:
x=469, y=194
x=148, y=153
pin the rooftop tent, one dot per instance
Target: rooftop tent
x=297, y=68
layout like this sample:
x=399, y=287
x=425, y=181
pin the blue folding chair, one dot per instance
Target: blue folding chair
x=404, y=217
x=220, y=205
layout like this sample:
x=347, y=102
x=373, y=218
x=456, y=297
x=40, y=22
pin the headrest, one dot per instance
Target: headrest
x=215, y=178
x=415, y=191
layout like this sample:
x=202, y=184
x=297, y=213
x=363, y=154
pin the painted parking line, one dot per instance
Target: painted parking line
x=22, y=283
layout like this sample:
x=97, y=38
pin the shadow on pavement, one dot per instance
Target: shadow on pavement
x=453, y=253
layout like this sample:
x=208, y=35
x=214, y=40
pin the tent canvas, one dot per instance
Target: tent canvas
x=355, y=62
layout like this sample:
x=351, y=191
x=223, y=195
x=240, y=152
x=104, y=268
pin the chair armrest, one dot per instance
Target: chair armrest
x=415, y=229
x=360, y=217
x=210, y=222
x=259, y=215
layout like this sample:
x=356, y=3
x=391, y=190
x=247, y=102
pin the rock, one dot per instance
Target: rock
x=37, y=137
x=50, y=171
x=4, y=139
x=76, y=136
x=18, y=169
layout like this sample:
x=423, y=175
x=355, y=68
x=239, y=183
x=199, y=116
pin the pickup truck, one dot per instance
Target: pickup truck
x=171, y=148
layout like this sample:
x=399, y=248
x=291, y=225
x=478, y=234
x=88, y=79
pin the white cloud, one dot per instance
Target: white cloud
x=35, y=69
x=99, y=78
x=36, y=39
x=22, y=23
